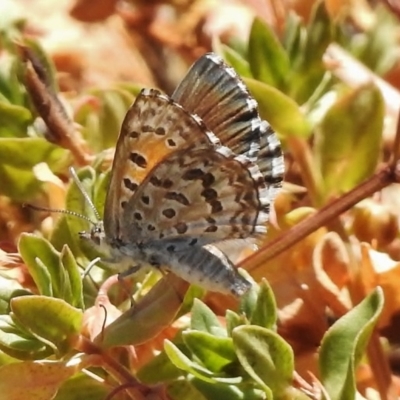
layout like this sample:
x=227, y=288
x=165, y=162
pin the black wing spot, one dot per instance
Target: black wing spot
x=192, y=174
x=208, y=179
x=160, y=131
x=179, y=197
x=138, y=159
x=147, y=128
x=145, y=199
x=132, y=186
x=171, y=143
x=169, y=213
x=134, y=134
x=209, y=194
x=216, y=206
x=181, y=227
x=167, y=183
x=137, y=216
x=155, y=181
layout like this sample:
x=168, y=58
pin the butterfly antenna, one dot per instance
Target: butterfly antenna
x=84, y=192
x=59, y=211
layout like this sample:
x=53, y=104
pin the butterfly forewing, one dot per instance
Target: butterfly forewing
x=154, y=127
x=212, y=90
x=270, y=161
x=230, y=112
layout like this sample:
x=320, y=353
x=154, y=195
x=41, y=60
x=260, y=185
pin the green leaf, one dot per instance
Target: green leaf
x=233, y=320
x=307, y=68
x=6, y=359
x=25, y=153
x=55, y=274
x=14, y=119
x=279, y=110
x=213, y=352
x=68, y=228
x=181, y=361
x=147, y=319
x=183, y=389
x=20, y=344
x=159, y=369
x=265, y=356
x=17, y=184
x=294, y=36
x=80, y=386
x=235, y=60
x=75, y=198
x=18, y=157
x=62, y=235
x=348, y=139
x=42, y=261
x=101, y=123
x=344, y=344
x=194, y=292
x=320, y=33
x=184, y=363
x=248, y=302
x=264, y=313
x=11, y=89
x=223, y=391
x=100, y=190
x=203, y=319
x=376, y=47
x=53, y=320
x=34, y=380
x=8, y=290
x=268, y=60
x=73, y=281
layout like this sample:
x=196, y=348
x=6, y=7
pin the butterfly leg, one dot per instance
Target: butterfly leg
x=130, y=271
x=121, y=279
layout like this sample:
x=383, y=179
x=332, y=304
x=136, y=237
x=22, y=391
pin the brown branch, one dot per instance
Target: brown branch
x=61, y=128
x=396, y=147
x=324, y=215
x=115, y=368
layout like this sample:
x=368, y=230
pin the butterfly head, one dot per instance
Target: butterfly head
x=96, y=235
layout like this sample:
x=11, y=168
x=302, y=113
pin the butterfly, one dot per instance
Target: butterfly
x=189, y=171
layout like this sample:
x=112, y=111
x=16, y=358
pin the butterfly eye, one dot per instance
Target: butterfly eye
x=96, y=235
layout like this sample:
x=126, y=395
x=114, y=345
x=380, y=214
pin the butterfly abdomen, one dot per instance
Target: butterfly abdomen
x=207, y=267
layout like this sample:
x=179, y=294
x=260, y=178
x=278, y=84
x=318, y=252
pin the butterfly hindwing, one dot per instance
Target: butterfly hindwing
x=199, y=193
